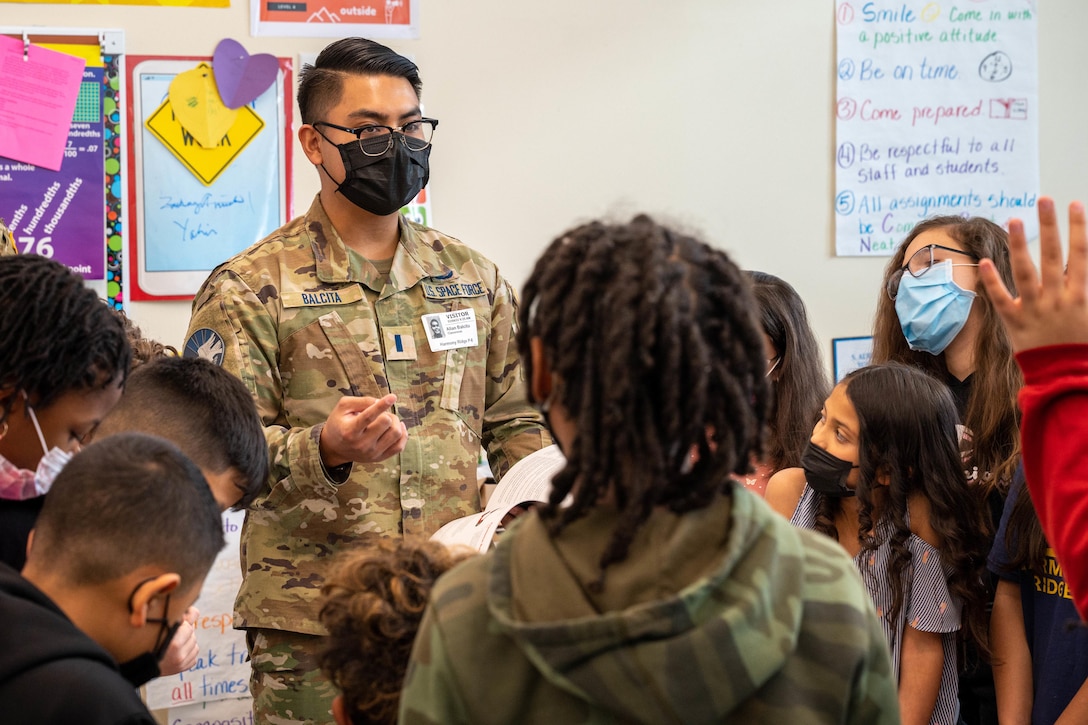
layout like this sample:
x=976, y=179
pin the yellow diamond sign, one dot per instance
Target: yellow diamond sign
x=206, y=164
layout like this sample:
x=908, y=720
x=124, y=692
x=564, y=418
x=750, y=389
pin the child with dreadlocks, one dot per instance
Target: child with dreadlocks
x=883, y=476
x=63, y=361
x=663, y=592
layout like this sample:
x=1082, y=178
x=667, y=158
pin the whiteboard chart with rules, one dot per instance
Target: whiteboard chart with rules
x=937, y=112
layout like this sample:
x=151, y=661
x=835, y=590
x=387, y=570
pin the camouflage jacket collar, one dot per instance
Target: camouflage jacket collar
x=417, y=256
x=736, y=604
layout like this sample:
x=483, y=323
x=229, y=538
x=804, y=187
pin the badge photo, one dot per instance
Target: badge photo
x=451, y=330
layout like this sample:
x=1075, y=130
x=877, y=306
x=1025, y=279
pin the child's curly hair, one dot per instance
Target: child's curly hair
x=372, y=602
x=144, y=349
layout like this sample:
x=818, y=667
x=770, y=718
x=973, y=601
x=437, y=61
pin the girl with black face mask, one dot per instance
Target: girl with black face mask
x=883, y=476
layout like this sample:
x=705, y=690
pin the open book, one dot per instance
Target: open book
x=528, y=481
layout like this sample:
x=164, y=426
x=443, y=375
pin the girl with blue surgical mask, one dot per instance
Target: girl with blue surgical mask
x=933, y=314
x=64, y=357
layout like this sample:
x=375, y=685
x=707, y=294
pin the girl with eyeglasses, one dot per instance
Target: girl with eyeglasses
x=934, y=315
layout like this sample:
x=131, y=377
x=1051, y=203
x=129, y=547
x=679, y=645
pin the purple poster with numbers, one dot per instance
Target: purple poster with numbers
x=61, y=214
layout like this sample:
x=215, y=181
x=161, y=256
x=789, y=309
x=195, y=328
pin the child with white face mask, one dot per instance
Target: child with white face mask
x=882, y=475
x=63, y=362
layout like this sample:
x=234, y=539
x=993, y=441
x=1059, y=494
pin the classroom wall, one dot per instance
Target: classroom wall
x=714, y=114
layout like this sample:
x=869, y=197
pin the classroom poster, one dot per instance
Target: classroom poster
x=194, y=208
x=335, y=18
x=60, y=214
x=220, y=712
x=222, y=668
x=849, y=354
x=39, y=88
x=937, y=112
x=160, y=3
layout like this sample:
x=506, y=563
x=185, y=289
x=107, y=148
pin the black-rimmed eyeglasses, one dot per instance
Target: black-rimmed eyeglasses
x=415, y=135
x=920, y=263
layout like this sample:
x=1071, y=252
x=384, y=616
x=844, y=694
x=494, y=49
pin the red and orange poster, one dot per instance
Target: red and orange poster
x=335, y=18
x=161, y=3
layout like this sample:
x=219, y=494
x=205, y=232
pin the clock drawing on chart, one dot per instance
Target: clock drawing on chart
x=995, y=67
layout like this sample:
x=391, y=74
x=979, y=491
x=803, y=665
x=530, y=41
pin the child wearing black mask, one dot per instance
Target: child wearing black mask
x=883, y=476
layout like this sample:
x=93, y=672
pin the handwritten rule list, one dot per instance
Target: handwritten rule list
x=937, y=113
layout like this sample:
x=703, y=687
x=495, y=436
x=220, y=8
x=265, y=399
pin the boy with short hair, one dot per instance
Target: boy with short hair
x=205, y=411
x=120, y=551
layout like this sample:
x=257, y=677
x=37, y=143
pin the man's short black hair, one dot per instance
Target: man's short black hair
x=320, y=84
x=129, y=501
x=203, y=409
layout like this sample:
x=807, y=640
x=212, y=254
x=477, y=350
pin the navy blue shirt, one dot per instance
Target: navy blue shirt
x=1057, y=640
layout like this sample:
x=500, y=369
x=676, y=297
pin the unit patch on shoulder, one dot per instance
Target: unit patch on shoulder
x=206, y=343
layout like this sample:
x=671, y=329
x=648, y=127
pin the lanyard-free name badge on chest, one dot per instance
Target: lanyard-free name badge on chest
x=451, y=330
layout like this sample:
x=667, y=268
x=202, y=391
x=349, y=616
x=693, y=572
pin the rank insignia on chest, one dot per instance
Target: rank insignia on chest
x=400, y=344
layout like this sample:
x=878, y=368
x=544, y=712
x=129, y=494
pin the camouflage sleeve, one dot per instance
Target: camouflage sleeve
x=512, y=428
x=232, y=327
x=430, y=695
x=7, y=241
x=875, y=695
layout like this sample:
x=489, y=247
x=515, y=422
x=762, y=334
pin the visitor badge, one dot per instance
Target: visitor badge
x=451, y=330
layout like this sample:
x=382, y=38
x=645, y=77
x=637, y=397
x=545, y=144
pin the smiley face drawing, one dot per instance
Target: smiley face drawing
x=995, y=67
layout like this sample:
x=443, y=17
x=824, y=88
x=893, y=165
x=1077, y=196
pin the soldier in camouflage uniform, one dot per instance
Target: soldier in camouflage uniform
x=660, y=592
x=7, y=241
x=374, y=423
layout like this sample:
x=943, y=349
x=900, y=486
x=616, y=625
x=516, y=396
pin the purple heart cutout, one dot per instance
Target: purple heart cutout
x=239, y=76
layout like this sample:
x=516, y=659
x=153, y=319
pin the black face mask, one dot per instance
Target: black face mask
x=382, y=184
x=144, y=668
x=826, y=473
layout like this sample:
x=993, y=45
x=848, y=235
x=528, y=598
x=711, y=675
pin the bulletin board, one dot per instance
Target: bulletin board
x=194, y=208
x=75, y=214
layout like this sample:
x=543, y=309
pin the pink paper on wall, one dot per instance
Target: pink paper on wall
x=38, y=92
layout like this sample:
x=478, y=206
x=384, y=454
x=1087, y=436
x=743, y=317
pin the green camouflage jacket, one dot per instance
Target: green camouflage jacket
x=726, y=614
x=303, y=321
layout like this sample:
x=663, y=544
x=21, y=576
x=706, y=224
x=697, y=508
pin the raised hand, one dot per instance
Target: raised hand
x=1052, y=308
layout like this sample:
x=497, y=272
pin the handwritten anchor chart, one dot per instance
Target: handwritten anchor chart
x=936, y=113
x=222, y=669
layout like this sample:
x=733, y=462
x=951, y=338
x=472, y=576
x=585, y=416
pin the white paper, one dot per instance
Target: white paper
x=937, y=113
x=221, y=712
x=222, y=669
x=850, y=354
x=530, y=479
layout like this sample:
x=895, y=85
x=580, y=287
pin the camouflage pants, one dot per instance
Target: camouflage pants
x=287, y=684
